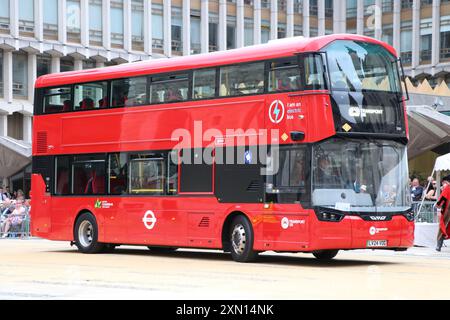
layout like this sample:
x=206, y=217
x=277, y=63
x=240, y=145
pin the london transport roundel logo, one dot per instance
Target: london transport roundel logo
x=285, y=223
x=149, y=220
x=373, y=231
x=276, y=111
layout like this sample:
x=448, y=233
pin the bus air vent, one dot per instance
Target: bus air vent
x=204, y=223
x=41, y=142
x=254, y=186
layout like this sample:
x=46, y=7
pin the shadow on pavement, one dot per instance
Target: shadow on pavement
x=299, y=259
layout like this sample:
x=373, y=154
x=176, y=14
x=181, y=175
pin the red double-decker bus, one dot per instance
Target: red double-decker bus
x=298, y=145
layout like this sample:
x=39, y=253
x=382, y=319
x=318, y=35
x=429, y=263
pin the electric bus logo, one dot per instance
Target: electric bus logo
x=149, y=220
x=276, y=111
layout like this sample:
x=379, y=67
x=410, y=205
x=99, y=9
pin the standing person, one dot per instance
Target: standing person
x=8, y=193
x=444, y=204
x=416, y=190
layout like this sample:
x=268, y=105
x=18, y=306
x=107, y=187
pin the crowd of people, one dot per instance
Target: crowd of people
x=14, y=212
x=427, y=191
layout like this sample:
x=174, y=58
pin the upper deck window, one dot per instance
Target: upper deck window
x=313, y=70
x=91, y=96
x=57, y=100
x=129, y=92
x=170, y=88
x=204, y=84
x=284, y=75
x=361, y=66
x=242, y=79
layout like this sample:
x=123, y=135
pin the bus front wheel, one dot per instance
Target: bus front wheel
x=325, y=255
x=241, y=240
x=86, y=234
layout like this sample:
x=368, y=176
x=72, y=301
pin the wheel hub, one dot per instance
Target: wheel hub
x=238, y=239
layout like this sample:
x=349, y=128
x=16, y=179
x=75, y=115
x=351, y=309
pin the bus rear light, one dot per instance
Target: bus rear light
x=329, y=216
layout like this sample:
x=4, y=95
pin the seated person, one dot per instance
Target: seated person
x=284, y=84
x=67, y=105
x=87, y=104
x=173, y=95
x=15, y=218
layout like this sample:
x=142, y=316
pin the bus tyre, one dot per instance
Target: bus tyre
x=241, y=240
x=109, y=248
x=162, y=249
x=86, y=234
x=325, y=255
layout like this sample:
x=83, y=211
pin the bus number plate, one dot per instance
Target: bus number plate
x=376, y=243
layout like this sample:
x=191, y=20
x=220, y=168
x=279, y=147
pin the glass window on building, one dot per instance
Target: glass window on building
x=425, y=48
x=352, y=8
x=66, y=64
x=265, y=31
x=15, y=126
x=73, y=21
x=117, y=23
x=195, y=33
x=89, y=64
x=50, y=19
x=95, y=22
x=177, y=29
x=26, y=17
x=43, y=65
x=137, y=24
x=20, y=75
x=89, y=96
x=4, y=16
x=1, y=73
x=445, y=45
x=248, y=32
x=406, y=45
x=231, y=32
x=213, y=32
x=157, y=27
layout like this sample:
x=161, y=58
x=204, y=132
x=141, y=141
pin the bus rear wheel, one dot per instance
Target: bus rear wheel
x=86, y=234
x=325, y=255
x=241, y=240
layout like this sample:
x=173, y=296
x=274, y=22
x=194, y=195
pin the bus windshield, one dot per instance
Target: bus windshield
x=360, y=176
x=360, y=66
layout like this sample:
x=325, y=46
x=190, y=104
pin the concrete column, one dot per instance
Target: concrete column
x=3, y=125
x=306, y=15
x=62, y=29
x=8, y=76
x=27, y=128
x=416, y=34
x=84, y=6
x=360, y=17
x=78, y=64
x=186, y=27
x=55, y=64
x=273, y=19
x=14, y=18
x=240, y=23
x=436, y=33
x=204, y=26
x=222, y=25
x=106, y=16
x=257, y=21
x=148, y=27
x=167, y=23
x=39, y=20
x=321, y=17
x=127, y=39
x=32, y=74
x=378, y=19
x=339, y=16
x=397, y=25
x=290, y=18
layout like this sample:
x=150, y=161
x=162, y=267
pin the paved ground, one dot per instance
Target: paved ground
x=40, y=269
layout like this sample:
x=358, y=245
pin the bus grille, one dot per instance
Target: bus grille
x=41, y=142
x=204, y=223
x=254, y=186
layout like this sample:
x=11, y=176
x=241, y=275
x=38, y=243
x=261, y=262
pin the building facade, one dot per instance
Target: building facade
x=46, y=36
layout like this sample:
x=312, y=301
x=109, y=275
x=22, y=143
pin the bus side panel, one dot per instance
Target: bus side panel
x=331, y=235
x=320, y=117
x=41, y=208
x=408, y=228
